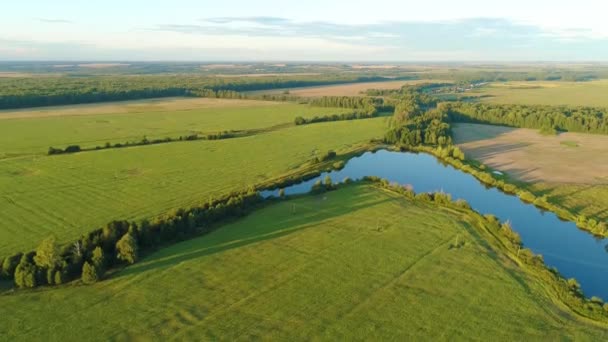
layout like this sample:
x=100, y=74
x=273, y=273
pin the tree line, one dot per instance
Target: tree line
x=335, y=117
x=145, y=141
x=561, y=118
x=46, y=91
x=119, y=243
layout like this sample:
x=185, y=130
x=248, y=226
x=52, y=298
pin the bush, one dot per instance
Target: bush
x=127, y=249
x=25, y=273
x=89, y=273
x=9, y=265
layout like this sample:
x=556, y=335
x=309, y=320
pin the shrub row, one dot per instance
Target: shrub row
x=335, y=117
x=145, y=141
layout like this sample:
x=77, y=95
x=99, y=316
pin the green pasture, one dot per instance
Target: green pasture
x=354, y=264
x=35, y=131
x=68, y=195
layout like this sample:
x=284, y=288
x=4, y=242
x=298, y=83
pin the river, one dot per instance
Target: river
x=575, y=253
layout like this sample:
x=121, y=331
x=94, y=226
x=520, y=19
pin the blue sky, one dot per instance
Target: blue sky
x=379, y=30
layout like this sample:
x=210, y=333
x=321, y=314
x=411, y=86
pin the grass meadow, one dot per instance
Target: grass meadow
x=71, y=194
x=32, y=131
x=353, y=264
x=591, y=93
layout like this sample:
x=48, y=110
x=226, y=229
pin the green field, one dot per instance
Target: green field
x=590, y=200
x=591, y=93
x=68, y=195
x=32, y=131
x=358, y=263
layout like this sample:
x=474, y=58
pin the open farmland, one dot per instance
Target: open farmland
x=530, y=156
x=68, y=195
x=351, y=89
x=32, y=131
x=591, y=93
x=357, y=262
x=570, y=168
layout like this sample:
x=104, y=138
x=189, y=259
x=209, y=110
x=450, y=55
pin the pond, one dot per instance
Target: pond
x=575, y=253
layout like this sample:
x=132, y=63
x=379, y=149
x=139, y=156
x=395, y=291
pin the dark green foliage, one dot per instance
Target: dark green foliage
x=428, y=128
x=336, y=117
x=72, y=149
x=45, y=91
x=9, y=264
x=416, y=123
x=146, y=141
x=123, y=239
x=364, y=105
x=98, y=259
x=25, y=273
x=553, y=118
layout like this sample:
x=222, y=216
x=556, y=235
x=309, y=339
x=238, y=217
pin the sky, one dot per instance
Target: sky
x=311, y=30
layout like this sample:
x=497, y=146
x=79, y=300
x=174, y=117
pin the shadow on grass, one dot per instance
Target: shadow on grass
x=471, y=132
x=496, y=259
x=261, y=230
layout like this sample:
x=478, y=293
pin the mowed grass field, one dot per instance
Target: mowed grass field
x=570, y=168
x=67, y=195
x=350, y=89
x=530, y=156
x=33, y=131
x=354, y=264
x=591, y=93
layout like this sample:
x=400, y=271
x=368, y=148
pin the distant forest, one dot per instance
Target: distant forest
x=33, y=84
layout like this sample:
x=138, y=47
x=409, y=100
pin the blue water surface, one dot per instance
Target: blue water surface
x=575, y=253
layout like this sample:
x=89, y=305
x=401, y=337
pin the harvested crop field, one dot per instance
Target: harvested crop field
x=529, y=156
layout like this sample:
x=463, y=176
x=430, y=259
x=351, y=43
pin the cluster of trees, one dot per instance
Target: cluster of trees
x=335, y=117
x=329, y=155
x=414, y=123
x=575, y=119
x=118, y=243
x=320, y=187
x=45, y=91
x=69, y=149
x=422, y=88
x=365, y=105
x=220, y=94
x=145, y=141
x=426, y=129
